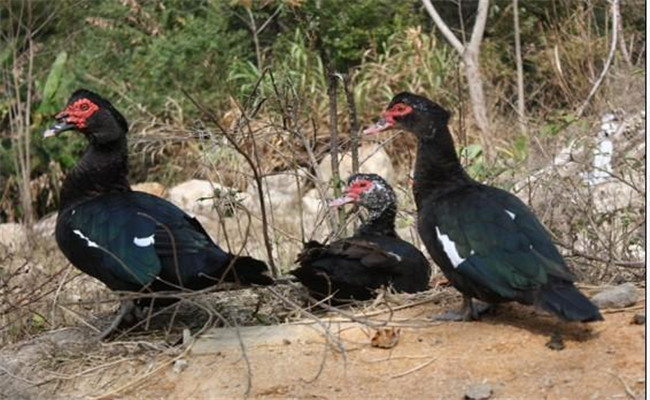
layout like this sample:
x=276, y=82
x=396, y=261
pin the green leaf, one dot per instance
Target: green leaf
x=53, y=83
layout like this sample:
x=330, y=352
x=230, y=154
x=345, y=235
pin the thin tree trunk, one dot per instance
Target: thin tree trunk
x=521, y=100
x=477, y=97
x=469, y=53
x=354, y=123
x=334, y=136
x=256, y=41
x=621, y=38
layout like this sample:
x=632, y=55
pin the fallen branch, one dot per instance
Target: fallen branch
x=410, y=371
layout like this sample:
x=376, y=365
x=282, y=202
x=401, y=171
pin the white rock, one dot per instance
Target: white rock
x=154, y=188
x=13, y=236
x=372, y=159
x=195, y=196
x=45, y=227
x=615, y=195
x=179, y=366
x=281, y=194
x=312, y=203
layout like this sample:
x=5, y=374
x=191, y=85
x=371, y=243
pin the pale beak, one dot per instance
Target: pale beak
x=345, y=199
x=379, y=126
x=60, y=126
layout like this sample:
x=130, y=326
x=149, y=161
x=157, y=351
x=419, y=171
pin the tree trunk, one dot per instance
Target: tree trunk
x=521, y=100
x=477, y=97
x=469, y=53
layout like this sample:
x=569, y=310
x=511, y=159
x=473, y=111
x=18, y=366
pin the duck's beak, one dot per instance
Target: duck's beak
x=345, y=199
x=61, y=125
x=379, y=126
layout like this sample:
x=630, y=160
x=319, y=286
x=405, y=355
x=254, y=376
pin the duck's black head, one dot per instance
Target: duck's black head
x=367, y=190
x=92, y=115
x=412, y=113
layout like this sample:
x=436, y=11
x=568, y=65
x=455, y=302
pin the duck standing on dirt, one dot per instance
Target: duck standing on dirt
x=374, y=256
x=131, y=241
x=486, y=241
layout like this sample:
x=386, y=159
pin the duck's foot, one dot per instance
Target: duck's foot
x=469, y=311
x=128, y=313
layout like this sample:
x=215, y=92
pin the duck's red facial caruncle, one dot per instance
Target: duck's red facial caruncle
x=74, y=116
x=352, y=193
x=387, y=120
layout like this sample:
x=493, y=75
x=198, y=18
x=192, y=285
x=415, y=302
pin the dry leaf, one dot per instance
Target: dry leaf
x=386, y=338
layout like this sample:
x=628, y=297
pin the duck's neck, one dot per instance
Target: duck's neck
x=437, y=167
x=379, y=223
x=102, y=169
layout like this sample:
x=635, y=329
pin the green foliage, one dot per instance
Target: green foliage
x=409, y=60
x=350, y=28
x=52, y=84
x=151, y=51
x=300, y=72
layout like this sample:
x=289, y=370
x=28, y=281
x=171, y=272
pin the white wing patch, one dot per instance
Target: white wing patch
x=511, y=214
x=450, y=248
x=144, y=242
x=396, y=256
x=84, y=237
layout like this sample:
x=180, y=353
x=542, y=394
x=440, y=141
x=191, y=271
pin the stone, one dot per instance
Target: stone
x=179, y=366
x=372, y=159
x=45, y=226
x=280, y=194
x=196, y=196
x=13, y=236
x=639, y=319
x=481, y=391
x=620, y=296
x=154, y=188
x=312, y=202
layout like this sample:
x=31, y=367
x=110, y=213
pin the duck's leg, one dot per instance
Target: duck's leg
x=469, y=311
x=127, y=311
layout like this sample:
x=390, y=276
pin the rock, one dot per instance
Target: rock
x=179, y=366
x=639, y=319
x=372, y=159
x=197, y=196
x=615, y=195
x=312, y=202
x=481, y=391
x=280, y=194
x=13, y=236
x=45, y=226
x=154, y=188
x=620, y=296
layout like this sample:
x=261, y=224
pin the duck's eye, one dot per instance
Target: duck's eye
x=84, y=107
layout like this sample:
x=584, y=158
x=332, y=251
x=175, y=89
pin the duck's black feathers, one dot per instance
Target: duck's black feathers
x=353, y=268
x=132, y=240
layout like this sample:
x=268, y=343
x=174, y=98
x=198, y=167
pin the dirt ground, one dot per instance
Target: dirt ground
x=506, y=352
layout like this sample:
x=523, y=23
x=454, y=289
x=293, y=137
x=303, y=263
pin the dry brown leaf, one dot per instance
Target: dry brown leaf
x=386, y=338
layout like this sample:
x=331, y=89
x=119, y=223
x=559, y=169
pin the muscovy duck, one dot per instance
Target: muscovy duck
x=374, y=256
x=487, y=242
x=131, y=241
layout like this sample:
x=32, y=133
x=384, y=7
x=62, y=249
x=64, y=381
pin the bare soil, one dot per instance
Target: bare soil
x=431, y=360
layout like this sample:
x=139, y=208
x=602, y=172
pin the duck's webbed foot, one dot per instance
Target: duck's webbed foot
x=469, y=311
x=128, y=314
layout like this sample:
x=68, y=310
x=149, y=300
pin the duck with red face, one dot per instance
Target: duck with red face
x=486, y=241
x=375, y=256
x=131, y=241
